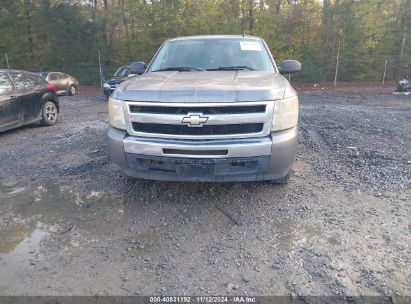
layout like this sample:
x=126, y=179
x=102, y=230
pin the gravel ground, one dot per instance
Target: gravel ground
x=71, y=224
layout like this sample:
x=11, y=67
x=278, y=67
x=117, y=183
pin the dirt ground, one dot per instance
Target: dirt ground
x=71, y=224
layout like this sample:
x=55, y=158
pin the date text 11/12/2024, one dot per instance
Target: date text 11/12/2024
x=203, y=299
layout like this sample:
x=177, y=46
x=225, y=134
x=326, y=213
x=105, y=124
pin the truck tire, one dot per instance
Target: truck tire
x=72, y=90
x=49, y=113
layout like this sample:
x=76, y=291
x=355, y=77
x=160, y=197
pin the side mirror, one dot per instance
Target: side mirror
x=137, y=67
x=289, y=67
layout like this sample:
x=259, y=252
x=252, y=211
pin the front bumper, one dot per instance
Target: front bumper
x=252, y=159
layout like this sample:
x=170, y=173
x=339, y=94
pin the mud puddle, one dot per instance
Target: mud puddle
x=292, y=234
x=56, y=203
x=38, y=218
x=19, y=249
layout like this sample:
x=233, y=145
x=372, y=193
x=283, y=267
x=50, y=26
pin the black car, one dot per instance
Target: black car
x=26, y=98
x=122, y=74
x=119, y=76
x=404, y=85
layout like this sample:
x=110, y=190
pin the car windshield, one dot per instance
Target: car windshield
x=121, y=72
x=212, y=54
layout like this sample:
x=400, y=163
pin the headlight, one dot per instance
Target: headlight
x=106, y=86
x=285, y=113
x=116, y=113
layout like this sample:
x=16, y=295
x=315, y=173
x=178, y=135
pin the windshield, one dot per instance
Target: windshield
x=121, y=72
x=213, y=54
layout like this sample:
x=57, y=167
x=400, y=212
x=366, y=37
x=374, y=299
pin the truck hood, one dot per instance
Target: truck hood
x=116, y=80
x=203, y=86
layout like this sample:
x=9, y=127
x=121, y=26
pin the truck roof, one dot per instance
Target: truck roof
x=9, y=70
x=15, y=70
x=214, y=37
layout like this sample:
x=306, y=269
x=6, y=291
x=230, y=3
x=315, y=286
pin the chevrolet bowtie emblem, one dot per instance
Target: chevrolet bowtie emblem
x=195, y=120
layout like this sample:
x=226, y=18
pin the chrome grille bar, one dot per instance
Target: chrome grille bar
x=175, y=121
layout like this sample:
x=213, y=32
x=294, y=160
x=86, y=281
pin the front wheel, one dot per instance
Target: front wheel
x=49, y=114
x=72, y=90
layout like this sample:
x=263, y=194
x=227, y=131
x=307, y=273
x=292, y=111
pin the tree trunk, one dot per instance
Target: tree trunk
x=404, y=11
x=337, y=62
x=113, y=24
x=278, y=7
x=94, y=10
x=104, y=25
x=335, y=18
x=403, y=39
x=243, y=17
x=125, y=23
x=250, y=18
x=29, y=30
x=399, y=66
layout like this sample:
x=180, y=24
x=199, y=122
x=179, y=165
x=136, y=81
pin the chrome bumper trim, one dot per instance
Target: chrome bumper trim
x=236, y=147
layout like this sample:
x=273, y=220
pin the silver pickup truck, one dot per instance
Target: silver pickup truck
x=207, y=108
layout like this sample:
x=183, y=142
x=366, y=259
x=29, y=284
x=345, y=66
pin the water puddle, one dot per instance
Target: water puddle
x=19, y=249
x=31, y=212
x=13, y=191
x=11, y=236
x=292, y=234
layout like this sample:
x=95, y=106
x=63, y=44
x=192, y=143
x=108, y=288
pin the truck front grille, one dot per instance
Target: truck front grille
x=199, y=121
x=205, y=130
x=200, y=109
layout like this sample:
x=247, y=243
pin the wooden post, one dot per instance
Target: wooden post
x=338, y=61
x=7, y=60
x=100, y=70
x=385, y=71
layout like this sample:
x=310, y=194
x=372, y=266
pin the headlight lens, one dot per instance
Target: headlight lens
x=106, y=86
x=285, y=113
x=116, y=113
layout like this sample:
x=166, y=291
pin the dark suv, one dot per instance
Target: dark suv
x=26, y=98
x=119, y=76
x=123, y=73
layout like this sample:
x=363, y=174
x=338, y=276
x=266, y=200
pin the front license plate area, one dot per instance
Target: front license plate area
x=200, y=171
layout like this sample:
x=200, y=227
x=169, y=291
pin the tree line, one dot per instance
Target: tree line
x=349, y=40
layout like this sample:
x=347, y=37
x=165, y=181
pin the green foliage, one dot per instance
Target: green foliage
x=68, y=34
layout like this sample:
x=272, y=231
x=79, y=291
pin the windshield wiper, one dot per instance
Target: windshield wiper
x=180, y=69
x=232, y=68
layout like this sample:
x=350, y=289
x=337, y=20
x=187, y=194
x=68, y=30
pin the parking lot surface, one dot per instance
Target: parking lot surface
x=71, y=224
